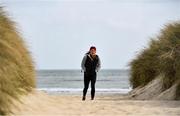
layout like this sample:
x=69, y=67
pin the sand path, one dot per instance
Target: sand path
x=41, y=104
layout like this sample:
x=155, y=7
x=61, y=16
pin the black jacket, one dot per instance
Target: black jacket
x=90, y=64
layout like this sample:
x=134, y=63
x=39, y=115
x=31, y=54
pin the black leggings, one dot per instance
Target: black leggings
x=87, y=78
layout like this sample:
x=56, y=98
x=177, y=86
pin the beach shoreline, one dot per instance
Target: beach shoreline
x=80, y=92
x=41, y=103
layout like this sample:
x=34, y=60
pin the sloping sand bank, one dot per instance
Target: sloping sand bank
x=39, y=103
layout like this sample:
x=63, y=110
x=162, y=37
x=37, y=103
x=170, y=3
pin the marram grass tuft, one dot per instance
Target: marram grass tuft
x=162, y=56
x=17, y=72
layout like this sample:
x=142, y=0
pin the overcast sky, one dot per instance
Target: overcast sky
x=60, y=32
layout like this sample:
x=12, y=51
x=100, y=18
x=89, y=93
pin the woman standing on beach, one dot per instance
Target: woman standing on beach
x=90, y=65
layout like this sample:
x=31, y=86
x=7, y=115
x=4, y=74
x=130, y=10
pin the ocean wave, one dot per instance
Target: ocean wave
x=77, y=90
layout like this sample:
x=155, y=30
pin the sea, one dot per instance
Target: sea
x=71, y=81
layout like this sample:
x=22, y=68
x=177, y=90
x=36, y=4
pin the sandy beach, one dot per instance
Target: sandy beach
x=39, y=103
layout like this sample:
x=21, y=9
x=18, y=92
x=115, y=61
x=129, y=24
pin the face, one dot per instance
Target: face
x=93, y=52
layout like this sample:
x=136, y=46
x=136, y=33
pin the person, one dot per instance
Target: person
x=90, y=65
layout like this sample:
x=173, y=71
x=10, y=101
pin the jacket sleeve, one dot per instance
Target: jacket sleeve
x=83, y=63
x=98, y=67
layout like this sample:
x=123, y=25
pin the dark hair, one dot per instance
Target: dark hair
x=92, y=47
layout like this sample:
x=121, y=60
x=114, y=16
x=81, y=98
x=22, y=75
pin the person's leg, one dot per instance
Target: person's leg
x=86, y=86
x=93, y=81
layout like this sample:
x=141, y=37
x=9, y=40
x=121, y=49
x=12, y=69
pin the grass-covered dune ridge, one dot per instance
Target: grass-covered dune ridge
x=17, y=72
x=161, y=57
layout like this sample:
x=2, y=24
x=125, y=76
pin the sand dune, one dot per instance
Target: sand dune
x=39, y=103
x=153, y=91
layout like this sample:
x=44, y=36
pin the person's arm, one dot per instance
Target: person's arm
x=83, y=63
x=98, y=67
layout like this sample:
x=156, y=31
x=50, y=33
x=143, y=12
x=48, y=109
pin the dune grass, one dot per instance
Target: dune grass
x=17, y=72
x=162, y=56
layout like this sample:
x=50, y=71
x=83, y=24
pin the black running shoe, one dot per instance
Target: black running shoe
x=83, y=98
